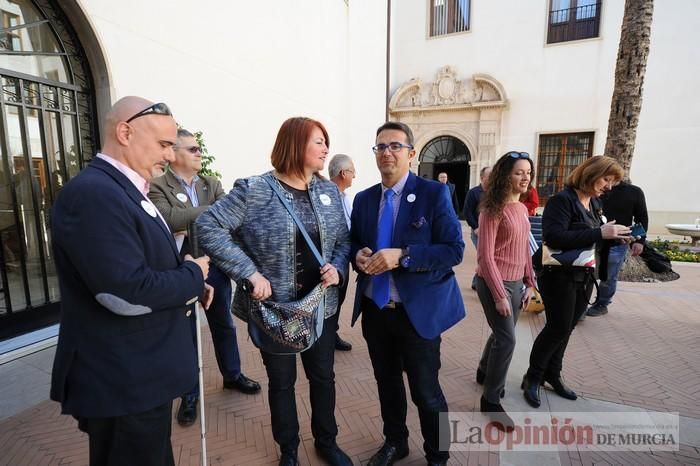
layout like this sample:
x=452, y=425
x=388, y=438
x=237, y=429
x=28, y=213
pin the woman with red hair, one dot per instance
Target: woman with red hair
x=250, y=235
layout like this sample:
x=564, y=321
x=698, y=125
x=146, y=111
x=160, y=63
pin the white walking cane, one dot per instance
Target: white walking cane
x=194, y=246
x=202, y=420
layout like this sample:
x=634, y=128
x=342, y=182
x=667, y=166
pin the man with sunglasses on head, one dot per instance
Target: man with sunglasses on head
x=181, y=195
x=125, y=348
x=405, y=240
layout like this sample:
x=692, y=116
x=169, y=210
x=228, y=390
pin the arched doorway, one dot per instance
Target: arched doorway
x=450, y=155
x=47, y=133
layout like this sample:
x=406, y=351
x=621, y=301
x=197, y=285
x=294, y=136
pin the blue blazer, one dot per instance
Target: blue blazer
x=429, y=227
x=110, y=254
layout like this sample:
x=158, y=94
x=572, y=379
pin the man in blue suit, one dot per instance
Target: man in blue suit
x=405, y=240
x=125, y=348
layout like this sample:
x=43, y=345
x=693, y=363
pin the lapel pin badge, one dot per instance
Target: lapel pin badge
x=325, y=199
x=148, y=207
x=182, y=197
x=411, y=197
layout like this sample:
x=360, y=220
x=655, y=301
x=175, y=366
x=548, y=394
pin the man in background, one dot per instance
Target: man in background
x=181, y=195
x=471, y=208
x=625, y=204
x=341, y=170
x=442, y=178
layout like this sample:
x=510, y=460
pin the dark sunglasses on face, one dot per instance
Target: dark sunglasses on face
x=156, y=109
x=518, y=155
x=191, y=149
x=392, y=146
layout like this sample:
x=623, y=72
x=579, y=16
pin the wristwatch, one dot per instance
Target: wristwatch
x=405, y=259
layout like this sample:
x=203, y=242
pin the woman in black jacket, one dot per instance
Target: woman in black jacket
x=572, y=219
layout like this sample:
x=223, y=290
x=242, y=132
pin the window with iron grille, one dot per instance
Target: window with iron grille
x=558, y=155
x=573, y=20
x=47, y=135
x=448, y=16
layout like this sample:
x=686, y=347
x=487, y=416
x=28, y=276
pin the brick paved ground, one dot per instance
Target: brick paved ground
x=645, y=353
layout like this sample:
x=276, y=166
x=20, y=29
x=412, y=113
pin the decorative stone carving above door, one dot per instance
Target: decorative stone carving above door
x=469, y=108
x=480, y=90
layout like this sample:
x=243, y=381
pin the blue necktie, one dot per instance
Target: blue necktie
x=380, y=283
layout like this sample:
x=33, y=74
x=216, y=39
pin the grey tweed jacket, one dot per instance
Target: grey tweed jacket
x=249, y=230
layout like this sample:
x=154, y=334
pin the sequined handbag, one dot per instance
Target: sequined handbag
x=286, y=328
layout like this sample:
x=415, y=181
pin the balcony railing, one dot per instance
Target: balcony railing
x=577, y=23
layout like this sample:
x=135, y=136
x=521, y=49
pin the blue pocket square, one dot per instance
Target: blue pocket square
x=419, y=223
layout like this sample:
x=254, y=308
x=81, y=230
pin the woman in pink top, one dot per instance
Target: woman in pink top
x=504, y=263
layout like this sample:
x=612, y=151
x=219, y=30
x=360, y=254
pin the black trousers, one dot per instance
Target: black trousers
x=141, y=439
x=342, y=291
x=565, y=296
x=394, y=347
x=282, y=374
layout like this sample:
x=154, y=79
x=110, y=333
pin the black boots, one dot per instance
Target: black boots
x=498, y=415
x=288, y=458
x=560, y=388
x=531, y=391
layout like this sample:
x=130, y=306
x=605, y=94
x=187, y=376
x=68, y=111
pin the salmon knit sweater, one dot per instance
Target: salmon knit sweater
x=502, y=249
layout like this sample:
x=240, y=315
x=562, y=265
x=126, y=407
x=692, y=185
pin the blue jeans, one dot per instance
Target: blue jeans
x=223, y=330
x=474, y=241
x=607, y=288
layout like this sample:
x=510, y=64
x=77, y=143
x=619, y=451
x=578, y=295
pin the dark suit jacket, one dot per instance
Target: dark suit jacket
x=453, y=196
x=109, y=249
x=430, y=229
x=179, y=214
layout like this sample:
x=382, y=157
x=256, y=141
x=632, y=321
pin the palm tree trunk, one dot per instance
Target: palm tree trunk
x=629, y=80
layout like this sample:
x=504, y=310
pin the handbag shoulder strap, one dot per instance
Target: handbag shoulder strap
x=296, y=219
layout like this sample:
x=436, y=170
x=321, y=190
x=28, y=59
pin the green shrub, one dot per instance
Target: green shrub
x=207, y=159
x=674, y=252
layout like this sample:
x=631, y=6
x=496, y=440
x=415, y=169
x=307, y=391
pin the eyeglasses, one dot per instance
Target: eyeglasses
x=519, y=155
x=191, y=149
x=392, y=146
x=156, y=109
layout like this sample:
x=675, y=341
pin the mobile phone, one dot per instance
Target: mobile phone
x=638, y=230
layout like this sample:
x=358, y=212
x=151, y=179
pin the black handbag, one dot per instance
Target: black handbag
x=286, y=328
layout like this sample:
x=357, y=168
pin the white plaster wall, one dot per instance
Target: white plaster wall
x=366, y=86
x=237, y=70
x=567, y=87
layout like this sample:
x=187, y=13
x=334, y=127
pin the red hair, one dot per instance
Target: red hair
x=290, y=146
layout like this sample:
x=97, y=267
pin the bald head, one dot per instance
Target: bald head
x=144, y=144
x=122, y=110
x=484, y=176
